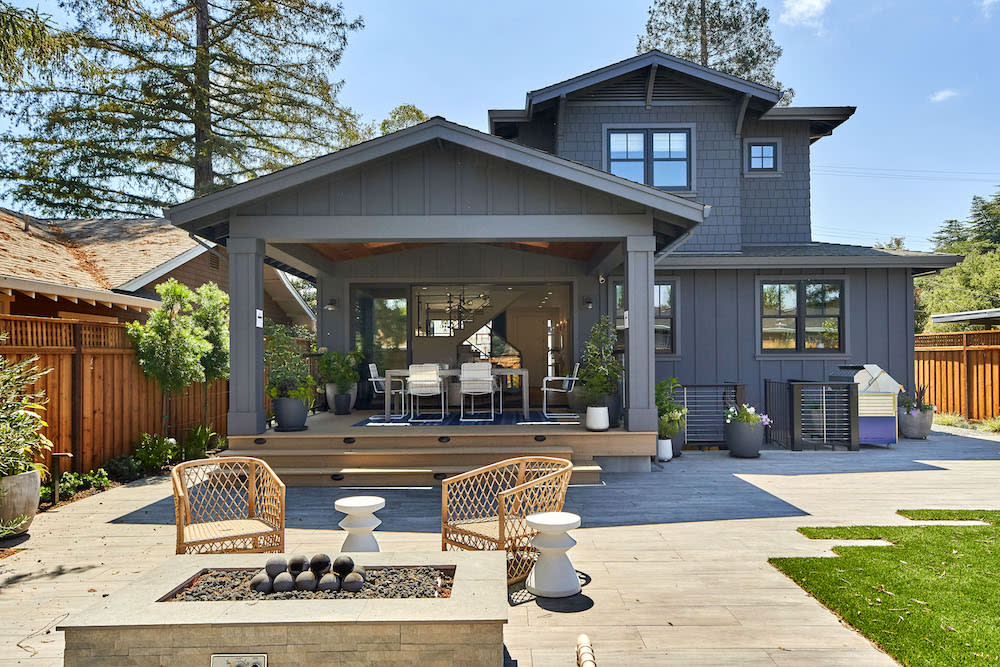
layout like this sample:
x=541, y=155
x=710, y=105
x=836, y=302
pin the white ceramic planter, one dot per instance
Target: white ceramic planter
x=664, y=450
x=597, y=419
x=19, y=497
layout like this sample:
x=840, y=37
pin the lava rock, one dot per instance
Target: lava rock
x=275, y=566
x=306, y=581
x=360, y=569
x=297, y=564
x=343, y=565
x=283, y=582
x=319, y=564
x=261, y=582
x=353, y=582
x=329, y=582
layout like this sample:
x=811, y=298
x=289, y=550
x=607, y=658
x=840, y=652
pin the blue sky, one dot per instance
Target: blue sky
x=922, y=73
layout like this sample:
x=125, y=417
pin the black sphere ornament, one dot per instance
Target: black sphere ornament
x=306, y=581
x=329, y=582
x=297, y=564
x=353, y=582
x=261, y=582
x=360, y=569
x=275, y=566
x=343, y=565
x=319, y=564
x=283, y=583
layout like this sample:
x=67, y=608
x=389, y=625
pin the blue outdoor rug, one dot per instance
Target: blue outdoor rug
x=511, y=417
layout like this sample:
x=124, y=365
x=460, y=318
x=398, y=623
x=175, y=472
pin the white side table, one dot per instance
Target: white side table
x=360, y=521
x=553, y=575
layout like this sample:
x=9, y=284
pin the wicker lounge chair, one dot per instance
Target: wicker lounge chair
x=484, y=509
x=229, y=504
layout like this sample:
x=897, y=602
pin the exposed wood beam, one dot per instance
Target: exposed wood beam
x=27, y=293
x=7, y=291
x=302, y=258
x=649, y=85
x=608, y=258
x=741, y=114
x=106, y=304
x=89, y=301
x=53, y=297
x=72, y=299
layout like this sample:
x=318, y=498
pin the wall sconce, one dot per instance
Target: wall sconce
x=330, y=305
x=589, y=303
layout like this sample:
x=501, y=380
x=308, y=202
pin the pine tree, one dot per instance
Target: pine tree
x=949, y=234
x=732, y=36
x=984, y=220
x=173, y=98
x=28, y=40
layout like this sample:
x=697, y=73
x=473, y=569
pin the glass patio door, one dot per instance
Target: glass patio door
x=380, y=331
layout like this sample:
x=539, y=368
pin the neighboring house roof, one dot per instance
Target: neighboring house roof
x=989, y=316
x=812, y=255
x=107, y=258
x=211, y=209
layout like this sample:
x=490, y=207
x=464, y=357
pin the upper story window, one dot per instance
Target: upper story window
x=762, y=156
x=801, y=316
x=657, y=157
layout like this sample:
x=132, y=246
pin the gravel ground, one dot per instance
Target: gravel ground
x=384, y=583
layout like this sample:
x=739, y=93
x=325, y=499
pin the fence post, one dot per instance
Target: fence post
x=76, y=428
x=852, y=402
x=795, y=415
x=966, y=389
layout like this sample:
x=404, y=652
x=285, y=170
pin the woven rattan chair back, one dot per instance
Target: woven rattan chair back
x=228, y=505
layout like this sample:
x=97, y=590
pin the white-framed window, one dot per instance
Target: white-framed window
x=762, y=157
x=662, y=157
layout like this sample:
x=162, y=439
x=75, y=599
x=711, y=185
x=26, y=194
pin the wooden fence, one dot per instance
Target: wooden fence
x=99, y=400
x=961, y=371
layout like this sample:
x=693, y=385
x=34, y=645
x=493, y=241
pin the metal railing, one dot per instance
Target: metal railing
x=812, y=415
x=706, y=405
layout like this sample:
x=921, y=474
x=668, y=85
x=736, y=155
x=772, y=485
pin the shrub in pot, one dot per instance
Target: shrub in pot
x=339, y=373
x=21, y=443
x=667, y=406
x=598, y=376
x=915, y=417
x=289, y=383
x=665, y=431
x=744, y=431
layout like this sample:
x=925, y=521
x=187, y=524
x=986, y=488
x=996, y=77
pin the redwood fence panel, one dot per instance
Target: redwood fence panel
x=99, y=400
x=961, y=371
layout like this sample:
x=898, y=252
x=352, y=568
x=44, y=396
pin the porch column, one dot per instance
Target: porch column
x=246, y=336
x=640, y=371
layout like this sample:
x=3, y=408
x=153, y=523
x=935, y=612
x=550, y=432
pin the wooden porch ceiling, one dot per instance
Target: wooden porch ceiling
x=340, y=252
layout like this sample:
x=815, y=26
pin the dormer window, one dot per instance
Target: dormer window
x=659, y=157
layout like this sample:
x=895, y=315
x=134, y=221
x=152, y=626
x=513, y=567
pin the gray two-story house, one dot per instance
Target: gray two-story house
x=671, y=197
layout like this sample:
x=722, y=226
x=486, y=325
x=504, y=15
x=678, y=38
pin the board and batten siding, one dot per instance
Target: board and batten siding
x=717, y=337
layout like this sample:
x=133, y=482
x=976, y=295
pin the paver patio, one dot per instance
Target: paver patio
x=677, y=559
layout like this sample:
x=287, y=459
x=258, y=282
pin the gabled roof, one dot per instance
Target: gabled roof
x=766, y=94
x=203, y=211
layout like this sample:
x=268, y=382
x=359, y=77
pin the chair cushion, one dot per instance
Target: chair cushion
x=221, y=530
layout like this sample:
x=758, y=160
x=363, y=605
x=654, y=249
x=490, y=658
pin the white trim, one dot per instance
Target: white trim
x=159, y=271
x=295, y=294
x=692, y=188
x=845, y=337
x=82, y=293
x=761, y=173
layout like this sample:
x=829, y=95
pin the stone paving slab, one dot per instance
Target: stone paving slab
x=678, y=571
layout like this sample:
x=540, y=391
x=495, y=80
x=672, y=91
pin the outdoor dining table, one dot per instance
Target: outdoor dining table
x=398, y=373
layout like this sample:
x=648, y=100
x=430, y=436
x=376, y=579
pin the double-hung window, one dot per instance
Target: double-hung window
x=661, y=157
x=801, y=316
x=663, y=315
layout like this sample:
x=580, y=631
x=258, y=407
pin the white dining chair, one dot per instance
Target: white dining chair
x=476, y=379
x=389, y=393
x=425, y=380
x=565, y=385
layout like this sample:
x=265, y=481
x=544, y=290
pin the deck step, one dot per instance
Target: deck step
x=414, y=457
x=395, y=476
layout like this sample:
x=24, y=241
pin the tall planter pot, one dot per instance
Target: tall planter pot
x=19, y=497
x=597, y=419
x=744, y=440
x=915, y=424
x=331, y=392
x=678, y=441
x=613, y=403
x=290, y=413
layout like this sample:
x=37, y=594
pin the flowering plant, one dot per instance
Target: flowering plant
x=915, y=404
x=746, y=413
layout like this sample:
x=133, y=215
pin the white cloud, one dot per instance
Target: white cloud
x=942, y=95
x=808, y=12
x=988, y=7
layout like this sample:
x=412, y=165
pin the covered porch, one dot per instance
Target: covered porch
x=439, y=244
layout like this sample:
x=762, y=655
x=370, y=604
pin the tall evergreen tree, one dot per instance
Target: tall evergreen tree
x=949, y=234
x=732, y=36
x=984, y=220
x=28, y=40
x=176, y=97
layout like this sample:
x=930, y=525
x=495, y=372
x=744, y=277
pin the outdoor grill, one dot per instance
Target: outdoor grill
x=877, y=393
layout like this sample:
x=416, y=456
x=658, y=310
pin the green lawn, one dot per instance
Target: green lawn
x=931, y=599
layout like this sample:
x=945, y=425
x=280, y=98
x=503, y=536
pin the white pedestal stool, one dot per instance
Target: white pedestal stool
x=553, y=575
x=360, y=521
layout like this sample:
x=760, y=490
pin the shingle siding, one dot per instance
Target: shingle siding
x=775, y=209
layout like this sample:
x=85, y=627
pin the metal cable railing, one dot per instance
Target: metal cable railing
x=812, y=415
x=706, y=404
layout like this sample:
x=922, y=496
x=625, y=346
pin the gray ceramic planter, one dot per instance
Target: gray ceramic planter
x=290, y=413
x=744, y=440
x=678, y=442
x=915, y=425
x=19, y=497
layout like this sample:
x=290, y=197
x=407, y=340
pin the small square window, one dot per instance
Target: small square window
x=762, y=156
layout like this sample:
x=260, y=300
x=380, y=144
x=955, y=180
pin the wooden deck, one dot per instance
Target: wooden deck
x=333, y=451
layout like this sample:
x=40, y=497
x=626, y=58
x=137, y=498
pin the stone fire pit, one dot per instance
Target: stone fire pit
x=459, y=621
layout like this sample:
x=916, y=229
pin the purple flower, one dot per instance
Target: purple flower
x=765, y=420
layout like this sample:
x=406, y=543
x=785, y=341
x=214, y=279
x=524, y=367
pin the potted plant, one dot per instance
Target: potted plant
x=289, y=383
x=599, y=373
x=744, y=431
x=21, y=443
x=914, y=415
x=666, y=429
x=339, y=373
x=667, y=406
